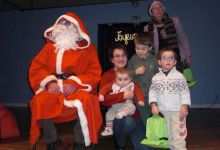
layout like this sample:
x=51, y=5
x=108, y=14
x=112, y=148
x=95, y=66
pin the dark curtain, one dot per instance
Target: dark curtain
x=109, y=34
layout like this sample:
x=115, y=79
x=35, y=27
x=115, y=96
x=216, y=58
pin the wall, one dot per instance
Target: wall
x=21, y=39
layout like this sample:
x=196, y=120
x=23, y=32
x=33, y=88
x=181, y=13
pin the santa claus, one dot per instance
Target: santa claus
x=64, y=76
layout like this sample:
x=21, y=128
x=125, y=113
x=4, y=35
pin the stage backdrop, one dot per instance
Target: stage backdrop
x=109, y=34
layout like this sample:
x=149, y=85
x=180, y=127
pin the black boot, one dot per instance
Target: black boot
x=120, y=148
x=54, y=145
x=78, y=146
x=90, y=147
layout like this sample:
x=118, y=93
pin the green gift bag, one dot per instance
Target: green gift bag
x=187, y=72
x=156, y=132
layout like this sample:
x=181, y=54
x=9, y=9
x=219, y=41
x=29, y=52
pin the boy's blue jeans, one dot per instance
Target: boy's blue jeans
x=132, y=127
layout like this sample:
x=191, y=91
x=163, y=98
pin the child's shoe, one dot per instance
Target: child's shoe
x=108, y=131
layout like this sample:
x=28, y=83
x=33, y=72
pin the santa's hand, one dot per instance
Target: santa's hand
x=68, y=89
x=53, y=88
x=141, y=103
x=101, y=97
x=69, y=103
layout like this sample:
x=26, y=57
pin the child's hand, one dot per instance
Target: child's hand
x=129, y=94
x=140, y=70
x=183, y=111
x=101, y=97
x=141, y=103
x=154, y=109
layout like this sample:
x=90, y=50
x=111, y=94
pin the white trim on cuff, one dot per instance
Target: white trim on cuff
x=78, y=81
x=44, y=82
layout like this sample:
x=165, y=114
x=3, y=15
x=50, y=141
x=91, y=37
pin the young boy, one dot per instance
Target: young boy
x=170, y=95
x=123, y=82
x=143, y=66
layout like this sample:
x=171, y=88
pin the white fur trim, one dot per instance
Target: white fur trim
x=39, y=90
x=116, y=88
x=77, y=80
x=68, y=103
x=44, y=82
x=75, y=22
x=59, y=62
x=82, y=117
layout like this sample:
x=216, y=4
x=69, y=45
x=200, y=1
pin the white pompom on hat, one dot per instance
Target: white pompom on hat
x=151, y=6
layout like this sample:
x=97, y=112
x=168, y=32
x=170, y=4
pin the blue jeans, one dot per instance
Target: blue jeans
x=132, y=127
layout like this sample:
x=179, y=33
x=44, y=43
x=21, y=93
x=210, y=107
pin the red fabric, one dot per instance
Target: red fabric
x=84, y=64
x=107, y=77
x=106, y=89
x=137, y=91
x=110, y=99
x=8, y=124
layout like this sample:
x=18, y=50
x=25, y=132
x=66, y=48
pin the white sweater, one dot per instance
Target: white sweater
x=169, y=92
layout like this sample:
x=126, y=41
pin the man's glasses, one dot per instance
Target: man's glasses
x=164, y=58
x=65, y=22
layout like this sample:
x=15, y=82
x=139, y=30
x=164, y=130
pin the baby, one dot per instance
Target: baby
x=123, y=82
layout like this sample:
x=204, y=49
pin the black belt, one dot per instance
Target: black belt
x=63, y=76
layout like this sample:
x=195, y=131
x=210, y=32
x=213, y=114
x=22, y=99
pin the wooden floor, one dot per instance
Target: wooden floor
x=203, y=132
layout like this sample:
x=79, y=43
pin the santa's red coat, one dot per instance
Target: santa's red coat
x=84, y=66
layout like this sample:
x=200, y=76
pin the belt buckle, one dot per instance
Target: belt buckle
x=65, y=76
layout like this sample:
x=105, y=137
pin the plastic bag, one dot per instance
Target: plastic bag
x=156, y=132
x=187, y=72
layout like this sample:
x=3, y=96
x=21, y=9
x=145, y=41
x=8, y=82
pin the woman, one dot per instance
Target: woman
x=131, y=126
x=168, y=32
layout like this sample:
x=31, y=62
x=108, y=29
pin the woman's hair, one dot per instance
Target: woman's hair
x=143, y=38
x=153, y=3
x=123, y=71
x=112, y=48
x=166, y=49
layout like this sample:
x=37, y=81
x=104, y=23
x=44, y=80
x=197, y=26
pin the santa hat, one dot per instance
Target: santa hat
x=152, y=4
x=73, y=18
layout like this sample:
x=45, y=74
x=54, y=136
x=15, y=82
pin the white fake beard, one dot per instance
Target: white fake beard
x=65, y=38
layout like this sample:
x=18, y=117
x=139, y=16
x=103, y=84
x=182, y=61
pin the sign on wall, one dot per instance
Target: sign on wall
x=109, y=34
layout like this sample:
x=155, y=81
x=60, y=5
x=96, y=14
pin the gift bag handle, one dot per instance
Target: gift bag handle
x=160, y=114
